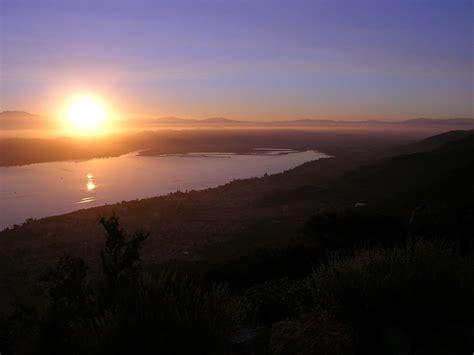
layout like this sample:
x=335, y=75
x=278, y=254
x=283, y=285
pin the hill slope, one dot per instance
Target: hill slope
x=240, y=217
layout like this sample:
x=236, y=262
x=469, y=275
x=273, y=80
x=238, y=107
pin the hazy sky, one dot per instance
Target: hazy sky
x=254, y=59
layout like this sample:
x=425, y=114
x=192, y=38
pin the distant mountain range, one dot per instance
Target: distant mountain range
x=429, y=121
x=464, y=123
x=25, y=120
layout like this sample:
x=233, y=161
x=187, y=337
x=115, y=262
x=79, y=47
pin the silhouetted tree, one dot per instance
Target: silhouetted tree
x=120, y=258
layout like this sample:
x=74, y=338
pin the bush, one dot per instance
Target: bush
x=69, y=300
x=315, y=333
x=347, y=230
x=292, y=261
x=423, y=293
x=170, y=313
x=411, y=298
x=131, y=311
x=277, y=300
x=128, y=312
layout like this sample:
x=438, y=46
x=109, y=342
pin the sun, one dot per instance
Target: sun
x=86, y=113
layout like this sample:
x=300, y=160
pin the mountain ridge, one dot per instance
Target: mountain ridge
x=21, y=118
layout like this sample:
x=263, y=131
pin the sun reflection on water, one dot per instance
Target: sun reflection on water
x=90, y=182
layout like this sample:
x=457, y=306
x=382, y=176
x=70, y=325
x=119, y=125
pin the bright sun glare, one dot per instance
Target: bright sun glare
x=86, y=113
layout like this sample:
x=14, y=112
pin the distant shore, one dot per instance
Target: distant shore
x=23, y=151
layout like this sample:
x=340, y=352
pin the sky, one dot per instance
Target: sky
x=254, y=60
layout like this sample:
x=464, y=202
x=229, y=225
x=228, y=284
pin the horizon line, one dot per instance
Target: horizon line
x=222, y=118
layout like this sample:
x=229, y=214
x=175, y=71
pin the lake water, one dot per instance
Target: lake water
x=47, y=189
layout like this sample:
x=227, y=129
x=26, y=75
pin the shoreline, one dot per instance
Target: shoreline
x=105, y=197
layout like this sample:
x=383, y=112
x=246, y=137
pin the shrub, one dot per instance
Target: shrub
x=423, y=291
x=315, y=333
x=170, y=313
x=292, y=261
x=277, y=300
x=129, y=312
x=70, y=300
x=347, y=230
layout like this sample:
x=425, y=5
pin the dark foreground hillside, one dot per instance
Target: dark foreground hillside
x=373, y=257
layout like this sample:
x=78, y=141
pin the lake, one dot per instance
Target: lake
x=48, y=189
